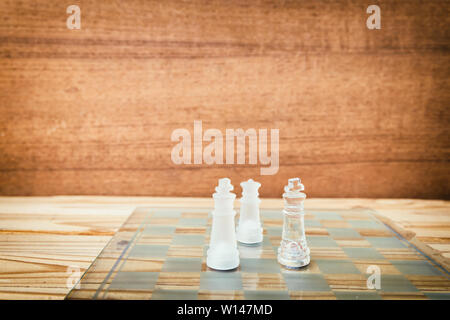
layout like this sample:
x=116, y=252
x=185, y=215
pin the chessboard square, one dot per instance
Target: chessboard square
x=430, y=283
x=396, y=283
x=321, y=241
x=353, y=243
x=312, y=295
x=385, y=266
x=263, y=281
x=182, y=265
x=193, y=222
x=188, y=239
x=306, y=282
x=275, y=241
x=266, y=242
x=438, y=295
x=267, y=214
x=167, y=214
x=349, y=282
x=127, y=295
x=165, y=294
x=220, y=280
x=327, y=216
x=416, y=267
x=363, y=253
x=335, y=224
x=161, y=239
x=197, y=230
x=386, y=242
x=266, y=295
x=335, y=253
x=337, y=267
x=274, y=231
x=185, y=251
x=162, y=222
x=197, y=214
x=178, y=280
x=221, y=295
x=158, y=229
x=413, y=295
x=312, y=224
x=260, y=266
x=268, y=223
x=134, y=281
x=148, y=251
x=339, y=233
x=357, y=295
x=250, y=251
x=313, y=231
x=366, y=224
x=401, y=254
x=142, y=265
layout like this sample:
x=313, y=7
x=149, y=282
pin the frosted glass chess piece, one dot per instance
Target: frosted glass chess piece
x=249, y=230
x=293, y=251
x=223, y=253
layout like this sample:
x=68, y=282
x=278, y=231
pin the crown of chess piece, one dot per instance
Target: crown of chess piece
x=293, y=251
x=249, y=230
x=223, y=253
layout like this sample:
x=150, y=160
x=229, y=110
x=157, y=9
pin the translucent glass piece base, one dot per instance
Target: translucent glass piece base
x=218, y=261
x=292, y=254
x=294, y=263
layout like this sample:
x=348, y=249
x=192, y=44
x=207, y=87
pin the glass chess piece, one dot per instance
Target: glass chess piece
x=223, y=253
x=293, y=251
x=249, y=230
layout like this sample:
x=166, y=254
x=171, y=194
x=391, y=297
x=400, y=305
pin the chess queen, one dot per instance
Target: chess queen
x=293, y=251
x=249, y=230
x=223, y=253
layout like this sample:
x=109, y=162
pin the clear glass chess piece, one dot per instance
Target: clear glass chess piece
x=293, y=251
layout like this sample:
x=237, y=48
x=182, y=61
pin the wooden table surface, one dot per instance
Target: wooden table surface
x=40, y=237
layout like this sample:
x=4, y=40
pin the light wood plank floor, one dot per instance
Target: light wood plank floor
x=40, y=237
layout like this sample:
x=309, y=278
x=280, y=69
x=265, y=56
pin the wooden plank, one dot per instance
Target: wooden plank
x=43, y=241
x=361, y=113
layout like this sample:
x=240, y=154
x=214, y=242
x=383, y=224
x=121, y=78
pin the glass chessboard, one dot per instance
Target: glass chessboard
x=161, y=254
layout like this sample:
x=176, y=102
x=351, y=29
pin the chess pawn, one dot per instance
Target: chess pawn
x=249, y=230
x=223, y=253
x=293, y=251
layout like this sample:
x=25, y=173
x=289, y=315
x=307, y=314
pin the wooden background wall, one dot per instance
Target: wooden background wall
x=361, y=113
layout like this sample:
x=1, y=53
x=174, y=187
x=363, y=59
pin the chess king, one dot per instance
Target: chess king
x=223, y=253
x=293, y=251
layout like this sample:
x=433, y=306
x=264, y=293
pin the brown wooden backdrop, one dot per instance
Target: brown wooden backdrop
x=361, y=113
